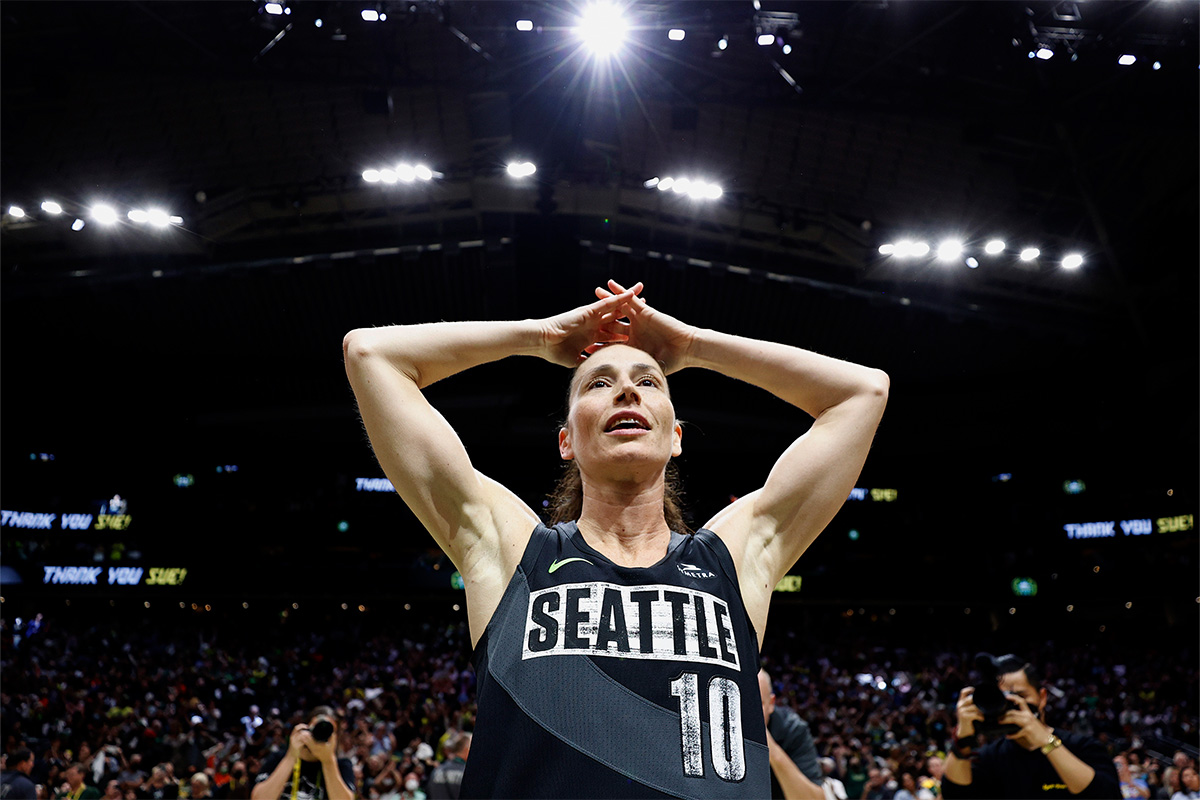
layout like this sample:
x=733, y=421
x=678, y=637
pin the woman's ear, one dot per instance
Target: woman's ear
x=564, y=444
x=677, y=445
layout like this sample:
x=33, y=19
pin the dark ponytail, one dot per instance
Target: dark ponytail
x=566, y=501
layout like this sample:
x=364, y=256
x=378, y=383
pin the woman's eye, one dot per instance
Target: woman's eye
x=597, y=383
x=649, y=382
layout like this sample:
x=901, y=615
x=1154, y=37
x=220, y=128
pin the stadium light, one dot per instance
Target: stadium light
x=666, y=183
x=370, y=15
x=602, y=29
x=158, y=218
x=1127, y=60
x=138, y=215
x=521, y=169
x=1030, y=253
x=787, y=49
x=887, y=249
x=765, y=39
x=524, y=24
x=994, y=247
x=104, y=214
x=77, y=225
x=1072, y=261
x=16, y=211
x=972, y=263
x=723, y=42
x=676, y=34
x=920, y=249
x=275, y=9
x=949, y=250
x=51, y=207
x=388, y=175
x=406, y=173
x=1044, y=53
x=423, y=172
x=372, y=176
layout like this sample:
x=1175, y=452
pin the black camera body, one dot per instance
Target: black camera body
x=322, y=729
x=988, y=698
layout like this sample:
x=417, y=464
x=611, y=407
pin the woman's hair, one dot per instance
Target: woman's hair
x=566, y=501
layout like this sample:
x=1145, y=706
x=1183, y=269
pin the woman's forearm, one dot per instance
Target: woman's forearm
x=807, y=380
x=429, y=352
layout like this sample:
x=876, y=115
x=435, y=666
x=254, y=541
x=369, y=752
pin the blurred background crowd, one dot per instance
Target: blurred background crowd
x=128, y=707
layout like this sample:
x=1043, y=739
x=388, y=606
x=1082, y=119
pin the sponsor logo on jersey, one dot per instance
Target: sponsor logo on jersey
x=654, y=622
x=555, y=564
x=690, y=571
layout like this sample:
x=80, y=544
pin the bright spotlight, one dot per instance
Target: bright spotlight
x=1156, y=66
x=787, y=49
x=319, y=22
x=713, y=192
x=1126, y=60
x=723, y=42
x=105, y=215
x=175, y=220
x=388, y=175
x=972, y=263
x=371, y=176
x=524, y=24
x=765, y=39
x=1044, y=53
x=273, y=8
x=993, y=247
x=682, y=185
x=676, y=34
x=1072, y=261
x=949, y=250
x=16, y=211
x=602, y=29
x=650, y=184
x=158, y=218
x=406, y=173
x=920, y=249
x=887, y=249
x=137, y=215
x=521, y=169
x=51, y=207
x=77, y=225
x=1030, y=253
x=370, y=15
x=423, y=172
x=666, y=183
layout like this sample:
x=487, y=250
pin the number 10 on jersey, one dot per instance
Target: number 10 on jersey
x=724, y=726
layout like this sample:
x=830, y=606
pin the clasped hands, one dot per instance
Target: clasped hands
x=618, y=316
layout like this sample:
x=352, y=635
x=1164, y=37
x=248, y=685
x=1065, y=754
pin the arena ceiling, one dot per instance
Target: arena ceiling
x=885, y=120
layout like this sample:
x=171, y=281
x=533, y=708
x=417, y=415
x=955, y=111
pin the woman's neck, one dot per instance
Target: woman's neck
x=625, y=522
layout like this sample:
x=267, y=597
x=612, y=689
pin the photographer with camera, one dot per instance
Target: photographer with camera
x=310, y=768
x=1025, y=758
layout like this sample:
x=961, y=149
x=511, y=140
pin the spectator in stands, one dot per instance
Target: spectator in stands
x=159, y=786
x=834, y=789
x=1132, y=786
x=15, y=783
x=73, y=787
x=1189, y=785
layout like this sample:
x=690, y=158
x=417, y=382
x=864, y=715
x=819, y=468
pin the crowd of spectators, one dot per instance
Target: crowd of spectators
x=136, y=708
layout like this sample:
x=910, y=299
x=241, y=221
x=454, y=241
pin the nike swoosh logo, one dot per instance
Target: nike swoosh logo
x=556, y=563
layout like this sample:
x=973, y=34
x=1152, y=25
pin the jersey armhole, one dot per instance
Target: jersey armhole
x=713, y=542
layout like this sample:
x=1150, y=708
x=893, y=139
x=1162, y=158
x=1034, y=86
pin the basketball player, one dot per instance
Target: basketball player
x=616, y=655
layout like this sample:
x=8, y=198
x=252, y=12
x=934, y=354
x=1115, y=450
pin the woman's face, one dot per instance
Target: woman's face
x=621, y=413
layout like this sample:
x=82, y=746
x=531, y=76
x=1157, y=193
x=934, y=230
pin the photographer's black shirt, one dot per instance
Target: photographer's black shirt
x=312, y=779
x=1004, y=769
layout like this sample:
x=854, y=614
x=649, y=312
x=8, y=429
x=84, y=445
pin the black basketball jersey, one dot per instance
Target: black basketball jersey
x=601, y=681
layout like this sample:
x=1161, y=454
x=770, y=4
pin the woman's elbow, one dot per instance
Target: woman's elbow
x=356, y=344
x=877, y=383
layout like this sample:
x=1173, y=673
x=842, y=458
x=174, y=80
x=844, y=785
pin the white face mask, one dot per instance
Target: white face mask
x=411, y=784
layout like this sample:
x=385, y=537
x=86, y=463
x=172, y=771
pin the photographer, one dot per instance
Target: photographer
x=1032, y=759
x=310, y=768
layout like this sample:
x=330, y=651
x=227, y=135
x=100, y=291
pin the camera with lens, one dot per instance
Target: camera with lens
x=988, y=698
x=322, y=729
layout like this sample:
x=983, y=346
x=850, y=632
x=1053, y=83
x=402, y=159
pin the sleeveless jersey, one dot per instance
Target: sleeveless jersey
x=601, y=681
